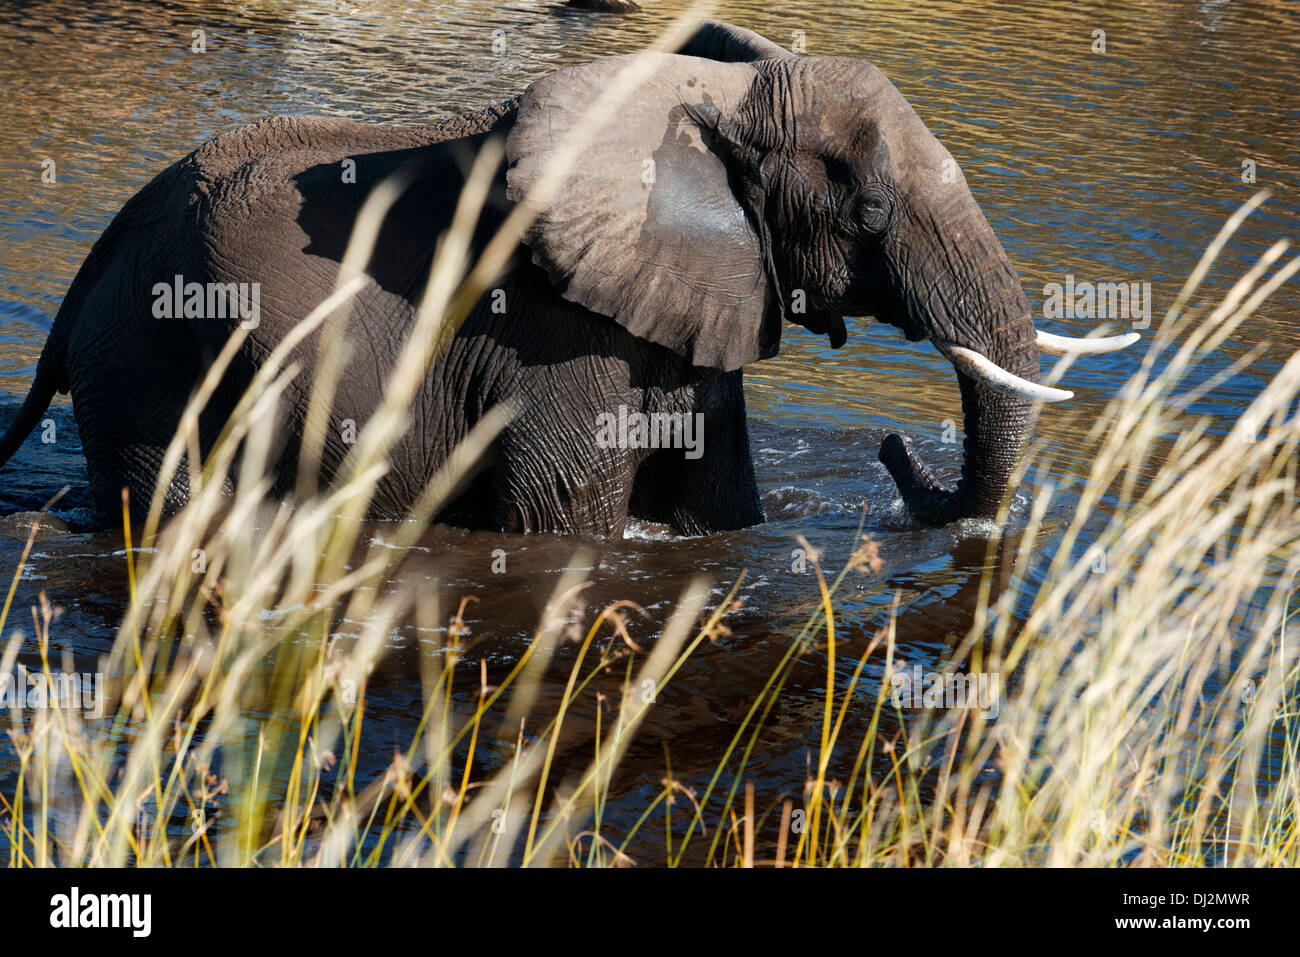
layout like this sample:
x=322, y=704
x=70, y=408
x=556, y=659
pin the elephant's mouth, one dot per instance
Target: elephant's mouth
x=997, y=407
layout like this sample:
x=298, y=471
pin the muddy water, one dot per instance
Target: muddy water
x=1112, y=167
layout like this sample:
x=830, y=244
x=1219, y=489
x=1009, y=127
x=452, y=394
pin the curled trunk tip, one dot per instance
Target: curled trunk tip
x=927, y=500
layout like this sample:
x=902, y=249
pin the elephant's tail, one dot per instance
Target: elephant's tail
x=38, y=400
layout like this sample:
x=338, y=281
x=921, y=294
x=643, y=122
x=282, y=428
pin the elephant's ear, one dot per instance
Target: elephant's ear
x=647, y=228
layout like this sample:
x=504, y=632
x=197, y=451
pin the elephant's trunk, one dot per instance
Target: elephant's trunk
x=996, y=427
x=987, y=318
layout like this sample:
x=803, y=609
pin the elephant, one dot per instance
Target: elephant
x=605, y=6
x=785, y=188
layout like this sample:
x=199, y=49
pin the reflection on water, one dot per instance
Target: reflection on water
x=1117, y=167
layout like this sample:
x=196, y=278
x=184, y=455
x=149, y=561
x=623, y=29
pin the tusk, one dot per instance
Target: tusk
x=985, y=370
x=1067, y=346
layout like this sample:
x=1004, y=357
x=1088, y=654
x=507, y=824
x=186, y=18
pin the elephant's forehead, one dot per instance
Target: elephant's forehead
x=916, y=158
x=873, y=126
x=919, y=162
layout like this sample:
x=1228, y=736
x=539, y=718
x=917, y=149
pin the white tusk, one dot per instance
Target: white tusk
x=985, y=370
x=1067, y=346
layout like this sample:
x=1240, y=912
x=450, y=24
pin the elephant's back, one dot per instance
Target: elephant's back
x=171, y=224
x=296, y=139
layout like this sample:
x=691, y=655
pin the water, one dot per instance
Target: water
x=1115, y=167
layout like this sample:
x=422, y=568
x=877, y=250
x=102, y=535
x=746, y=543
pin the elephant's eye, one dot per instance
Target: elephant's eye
x=873, y=212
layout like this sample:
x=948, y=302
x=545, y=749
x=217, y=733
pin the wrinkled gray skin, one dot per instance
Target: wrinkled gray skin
x=775, y=179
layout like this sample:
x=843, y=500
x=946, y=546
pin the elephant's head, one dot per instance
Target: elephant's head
x=729, y=197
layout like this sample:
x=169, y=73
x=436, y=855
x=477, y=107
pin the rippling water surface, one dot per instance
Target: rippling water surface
x=1115, y=167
